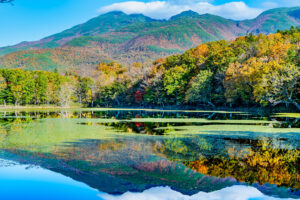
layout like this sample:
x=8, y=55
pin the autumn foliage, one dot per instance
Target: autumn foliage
x=251, y=70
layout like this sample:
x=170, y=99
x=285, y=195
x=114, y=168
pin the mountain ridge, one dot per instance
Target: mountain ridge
x=138, y=38
x=187, y=13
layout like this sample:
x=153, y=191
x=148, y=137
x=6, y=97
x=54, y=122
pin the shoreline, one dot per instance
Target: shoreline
x=149, y=109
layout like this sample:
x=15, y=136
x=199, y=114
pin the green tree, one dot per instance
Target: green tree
x=21, y=85
x=54, y=84
x=201, y=89
x=83, y=89
x=3, y=89
x=113, y=94
x=220, y=56
x=175, y=82
x=40, y=87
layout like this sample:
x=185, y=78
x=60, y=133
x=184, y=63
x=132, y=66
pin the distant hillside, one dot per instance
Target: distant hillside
x=136, y=38
x=275, y=19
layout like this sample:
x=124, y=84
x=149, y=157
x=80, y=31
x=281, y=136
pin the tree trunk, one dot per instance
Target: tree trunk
x=290, y=101
x=117, y=100
x=211, y=104
x=297, y=105
x=80, y=99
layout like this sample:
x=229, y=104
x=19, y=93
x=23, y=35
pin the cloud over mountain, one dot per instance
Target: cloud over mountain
x=165, y=9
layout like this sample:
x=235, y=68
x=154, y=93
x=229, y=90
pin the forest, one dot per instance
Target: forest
x=250, y=71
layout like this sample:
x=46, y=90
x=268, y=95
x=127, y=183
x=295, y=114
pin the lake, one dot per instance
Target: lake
x=148, y=154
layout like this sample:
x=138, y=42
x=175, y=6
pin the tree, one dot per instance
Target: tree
x=111, y=72
x=278, y=84
x=201, y=88
x=3, y=87
x=114, y=93
x=220, y=56
x=84, y=89
x=40, y=87
x=21, y=85
x=200, y=53
x=175, y=82
x=66, y=93
x=240, y=79
x=137, y=71
x=155, y=93
x=273, y=47
x=53, y=87
x=242, y=49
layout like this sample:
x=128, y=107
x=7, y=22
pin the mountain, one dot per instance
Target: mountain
x=136, y=38
x=99, y=25
x=275, y=19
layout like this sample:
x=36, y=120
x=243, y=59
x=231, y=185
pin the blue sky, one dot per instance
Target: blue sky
x=29, y=20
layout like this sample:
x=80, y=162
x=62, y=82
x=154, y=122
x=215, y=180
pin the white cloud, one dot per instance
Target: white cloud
x=166, y=193
x=165, y=9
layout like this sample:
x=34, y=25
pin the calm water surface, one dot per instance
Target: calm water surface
x=139, y=154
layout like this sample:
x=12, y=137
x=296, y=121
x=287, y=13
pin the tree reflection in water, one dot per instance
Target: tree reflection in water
x=98, y=149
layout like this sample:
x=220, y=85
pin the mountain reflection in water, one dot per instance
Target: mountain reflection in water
x=185, y=155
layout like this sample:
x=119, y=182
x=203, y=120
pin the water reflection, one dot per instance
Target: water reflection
x=188, y=154
x=38, y=183
x=158, y=193
x=260, y=163
x=32, y=182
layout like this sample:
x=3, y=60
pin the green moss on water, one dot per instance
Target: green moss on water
x=202, y=120
x=233, y=129
x=295, y=115
x=203, y=153
x=42, y=135
x=27, y=131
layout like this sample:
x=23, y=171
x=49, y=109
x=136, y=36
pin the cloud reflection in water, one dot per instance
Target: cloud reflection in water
x=166, y=193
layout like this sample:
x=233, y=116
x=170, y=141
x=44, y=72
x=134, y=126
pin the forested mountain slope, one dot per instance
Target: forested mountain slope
x=136, y=38
x=249, y=71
